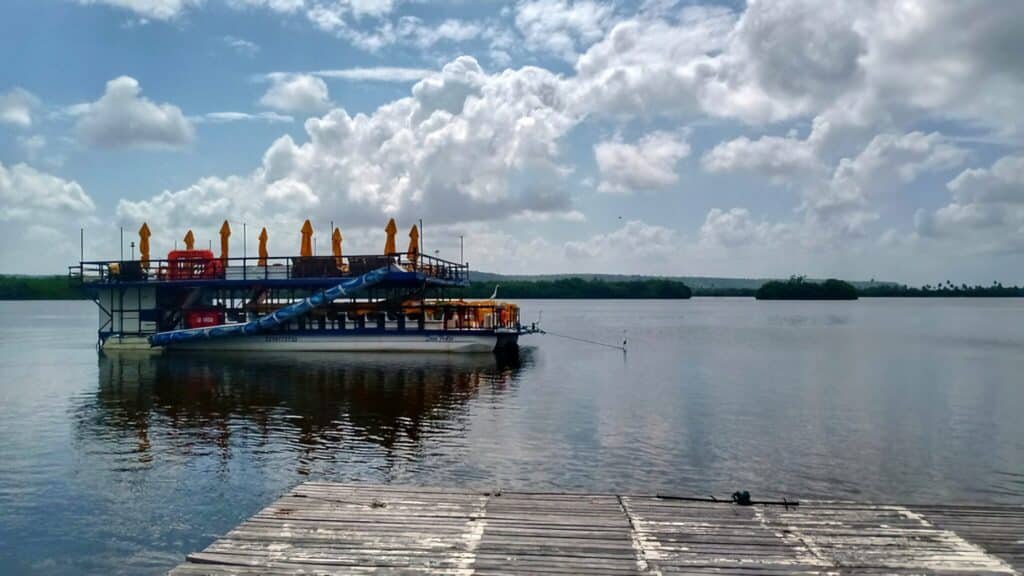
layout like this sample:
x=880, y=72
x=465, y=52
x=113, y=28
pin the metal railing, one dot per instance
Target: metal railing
x=276, y=268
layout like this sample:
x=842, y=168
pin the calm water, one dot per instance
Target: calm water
x=126, y=463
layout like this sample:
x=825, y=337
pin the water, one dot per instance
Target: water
x=124, y=464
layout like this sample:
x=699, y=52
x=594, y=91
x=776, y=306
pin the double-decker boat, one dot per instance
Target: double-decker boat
x=390, y=302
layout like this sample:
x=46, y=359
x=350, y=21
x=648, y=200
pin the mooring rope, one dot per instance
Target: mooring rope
x=594, y=342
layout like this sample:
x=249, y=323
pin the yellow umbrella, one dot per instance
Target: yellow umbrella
x=225, y=233
x=144, y=245
x=263, y=248
x=336, y=246
x=190, y=241
x=306, y=249
x=389, y=244
x=414, y=243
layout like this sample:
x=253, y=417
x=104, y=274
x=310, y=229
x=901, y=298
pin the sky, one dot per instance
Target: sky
x=856, y=138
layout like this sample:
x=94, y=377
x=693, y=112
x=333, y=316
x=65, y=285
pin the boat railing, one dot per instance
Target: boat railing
x=271, y=268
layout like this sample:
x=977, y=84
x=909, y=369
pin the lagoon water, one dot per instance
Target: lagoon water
x=123, y=464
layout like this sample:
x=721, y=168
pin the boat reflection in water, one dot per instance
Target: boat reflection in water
x=305, y=412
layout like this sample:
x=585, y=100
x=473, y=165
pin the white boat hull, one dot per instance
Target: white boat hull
x=449, y=343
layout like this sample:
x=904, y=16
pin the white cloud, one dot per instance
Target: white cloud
x=121, y=118
x=230, y=116
x=561, y=27
x=32, y=145
x=860, y=62
x=16, y=107
x=427, y=35
x=151, y=9
x=783, y=159
x=38, y=209
x=466, y=146
x=282, y=6
x=647, y=164
x=736, y=227
x=837, y=200
x=242, y=46
x=296, y=93
x=634, y=239
x=987, y=211
x=339, y=20
x=376, y=74
x=887, y=163
x=29, y=194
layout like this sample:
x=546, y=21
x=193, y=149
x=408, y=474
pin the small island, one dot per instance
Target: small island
x=797, y=288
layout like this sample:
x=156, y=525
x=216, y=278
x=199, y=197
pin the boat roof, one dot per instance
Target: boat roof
x=304, y=272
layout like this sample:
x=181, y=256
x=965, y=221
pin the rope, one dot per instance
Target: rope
x=594, y=342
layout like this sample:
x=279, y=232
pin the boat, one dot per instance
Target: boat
x=194, y=300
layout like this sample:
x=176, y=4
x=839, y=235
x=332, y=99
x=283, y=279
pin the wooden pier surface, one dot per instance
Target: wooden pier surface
x=325, y=528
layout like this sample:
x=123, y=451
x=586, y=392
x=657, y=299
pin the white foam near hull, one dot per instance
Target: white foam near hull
x=327, y=343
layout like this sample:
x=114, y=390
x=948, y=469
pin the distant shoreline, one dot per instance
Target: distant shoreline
x=27, y=288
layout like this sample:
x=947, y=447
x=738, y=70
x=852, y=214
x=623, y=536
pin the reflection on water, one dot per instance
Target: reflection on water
x=124, y=464
x=319, y=403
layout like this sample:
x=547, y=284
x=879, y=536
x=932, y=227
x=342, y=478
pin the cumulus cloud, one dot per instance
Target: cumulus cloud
x=866, y=62
x=736, y=227
x=987, y=208
x=647, y=164
x=122, y=118
x=16, y=107
x=465, y=146
x=38, y=209
x=561, y=27
x=782, y=159
x=296, y=93
x=635, y=238
x=837, y=199
x=888, y=162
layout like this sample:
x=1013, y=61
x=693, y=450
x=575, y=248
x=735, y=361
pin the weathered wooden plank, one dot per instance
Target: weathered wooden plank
x=324, y=528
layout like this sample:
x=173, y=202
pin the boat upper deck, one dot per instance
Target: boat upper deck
x=287, y=271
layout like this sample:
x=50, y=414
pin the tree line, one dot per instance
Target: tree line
x=797, y=287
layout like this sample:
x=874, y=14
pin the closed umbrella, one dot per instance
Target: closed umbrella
x=144, y=245
x=225, y=233
x=263, y=248
x=336, y=246
x=414, y=244
x=389, y=244
x=306, y=249
x=190, y=241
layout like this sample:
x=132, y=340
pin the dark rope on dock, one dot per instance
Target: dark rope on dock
x=594, y=342
x=739, y=498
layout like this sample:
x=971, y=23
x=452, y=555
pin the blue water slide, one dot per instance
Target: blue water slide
x=275, y=318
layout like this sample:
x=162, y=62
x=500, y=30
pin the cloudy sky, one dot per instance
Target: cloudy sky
x=764, y=138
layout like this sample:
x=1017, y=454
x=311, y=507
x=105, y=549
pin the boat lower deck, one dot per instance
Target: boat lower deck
x=327, y=528
x=338, y=341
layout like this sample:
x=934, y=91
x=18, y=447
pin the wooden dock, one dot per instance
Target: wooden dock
x=325, y=528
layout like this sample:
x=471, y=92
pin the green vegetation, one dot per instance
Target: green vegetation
x=579, y=288
x=14, y=287
x=796, y=288
x=947, y=290
x=38, y=288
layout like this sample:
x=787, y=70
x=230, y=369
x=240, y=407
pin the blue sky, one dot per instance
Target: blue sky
x=769, y=138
